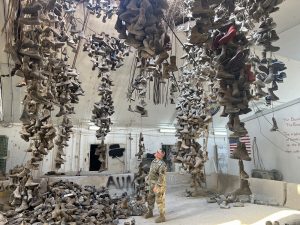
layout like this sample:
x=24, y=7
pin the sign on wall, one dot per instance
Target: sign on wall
x=291, y=130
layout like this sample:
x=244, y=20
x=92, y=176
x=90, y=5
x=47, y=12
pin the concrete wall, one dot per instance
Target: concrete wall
x=267, y=192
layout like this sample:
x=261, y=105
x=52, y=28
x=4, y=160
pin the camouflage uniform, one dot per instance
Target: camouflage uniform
x=157, y=176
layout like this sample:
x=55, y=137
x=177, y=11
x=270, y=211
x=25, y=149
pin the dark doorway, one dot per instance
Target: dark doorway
x=95, y=164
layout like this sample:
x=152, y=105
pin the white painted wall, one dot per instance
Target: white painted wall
x=276, y=150
x=77, y=153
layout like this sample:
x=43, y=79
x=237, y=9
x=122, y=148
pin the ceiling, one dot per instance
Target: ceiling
x=287, y=19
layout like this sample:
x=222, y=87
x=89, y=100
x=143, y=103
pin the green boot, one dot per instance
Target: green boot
x=149, y=214
x=160, y=219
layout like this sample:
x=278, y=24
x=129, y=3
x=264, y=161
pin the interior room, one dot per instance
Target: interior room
x=182, y=112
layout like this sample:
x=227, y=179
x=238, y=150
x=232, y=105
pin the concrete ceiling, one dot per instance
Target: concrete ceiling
x=288, y=28
x=287, y=19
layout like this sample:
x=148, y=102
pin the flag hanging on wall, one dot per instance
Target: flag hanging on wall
x=245, y=139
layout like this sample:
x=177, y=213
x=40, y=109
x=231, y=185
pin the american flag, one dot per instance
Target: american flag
x=234, y=140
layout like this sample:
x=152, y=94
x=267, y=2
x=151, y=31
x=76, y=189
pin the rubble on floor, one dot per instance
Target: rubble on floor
x=65, y=202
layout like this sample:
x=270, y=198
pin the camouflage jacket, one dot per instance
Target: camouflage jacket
x=157, y=173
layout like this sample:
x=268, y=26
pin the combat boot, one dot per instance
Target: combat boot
x=160, y=219
x=244, y=188
x=149, y=214
x=173, y=66
x=241, y=152
x=275, y=126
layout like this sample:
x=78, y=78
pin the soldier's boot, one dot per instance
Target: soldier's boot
x=161, y=218
x=149, y=214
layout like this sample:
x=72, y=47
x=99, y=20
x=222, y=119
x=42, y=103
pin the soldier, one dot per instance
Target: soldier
x=157, y=186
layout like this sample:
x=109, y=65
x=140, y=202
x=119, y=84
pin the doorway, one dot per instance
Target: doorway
x=94, y=162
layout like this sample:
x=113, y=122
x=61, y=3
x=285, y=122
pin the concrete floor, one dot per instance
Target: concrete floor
x=181, y=210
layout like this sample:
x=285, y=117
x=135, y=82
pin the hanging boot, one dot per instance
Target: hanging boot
x=16, y=192
x=199, y=162
x=224, y=114
x=274, y=86
x=61, y=111
x=196, y=37
x=163, y=56
x=165, y=73
x=259, y=91
x=275, y=127
x=244, y=188
x=235, y=89
x=132, y=6
x=201, y=7
x=24, y=172
x=184, y=144
x=240, y=152
x=231, y=33
x=272, y=95
x=185, y=130
x=221, y=58
x=270, y=76
x=29, y=195
x=140, y=24
x=173, y=66
x=237, y=128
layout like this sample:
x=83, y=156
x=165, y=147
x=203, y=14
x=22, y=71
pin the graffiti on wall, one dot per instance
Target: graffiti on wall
x=122, y=182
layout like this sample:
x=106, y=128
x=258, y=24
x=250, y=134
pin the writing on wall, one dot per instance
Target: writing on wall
x=291, y=126
x=122, y=182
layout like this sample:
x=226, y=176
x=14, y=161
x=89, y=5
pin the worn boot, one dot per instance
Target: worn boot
x=16, y=192
x=23, y=206
x=244, y=188
x=149, y=214
x=272, y=95
x=241, y=152
x=166, y=70
x=275, y=126
x=162, y=57
x=173, y=66
x=237, y=128
x=160, y=219
x=235, y=89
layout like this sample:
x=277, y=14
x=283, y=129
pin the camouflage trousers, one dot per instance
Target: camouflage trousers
x=159, y=198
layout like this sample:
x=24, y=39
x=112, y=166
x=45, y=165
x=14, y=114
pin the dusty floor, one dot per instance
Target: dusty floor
x=195, y=211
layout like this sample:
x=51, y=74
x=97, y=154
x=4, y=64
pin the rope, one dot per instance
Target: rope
x=166, y=101
x=257, y=154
